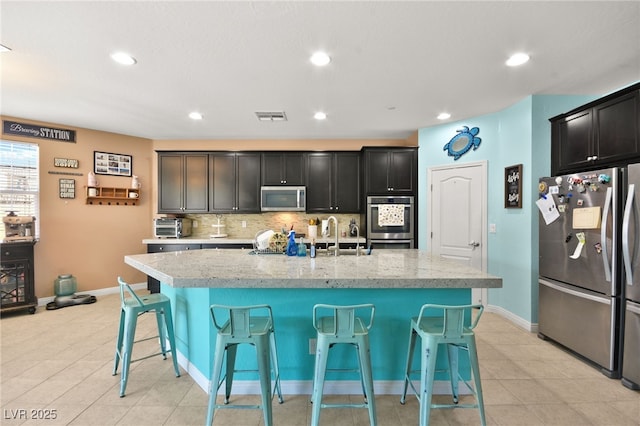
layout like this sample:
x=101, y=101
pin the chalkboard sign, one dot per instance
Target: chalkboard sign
x=513, y=186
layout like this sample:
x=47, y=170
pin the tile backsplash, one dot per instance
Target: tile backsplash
x=233, y=223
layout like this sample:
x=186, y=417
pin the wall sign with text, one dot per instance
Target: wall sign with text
x=67, y=188
x=513, y=186
x=40, y=132
x=66, y=162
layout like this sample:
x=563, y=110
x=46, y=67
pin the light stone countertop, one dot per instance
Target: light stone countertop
x=190, y=240
x=392, y=269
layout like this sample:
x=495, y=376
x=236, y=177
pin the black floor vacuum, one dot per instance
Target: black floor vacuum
x=65, y=287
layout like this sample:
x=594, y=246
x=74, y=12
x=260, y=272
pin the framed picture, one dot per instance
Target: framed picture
x=108, y=163
x=513, y=187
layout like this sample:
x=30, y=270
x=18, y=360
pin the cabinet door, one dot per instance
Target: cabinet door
x=272, y=169
x=294, y=169
x=182, y=183
x=391, y=171
x=223, y=182
x=320, y=180
x=196, y=183
x=616, y=128
x=170, y=183
x=377, y=166
x=402, y=170
x=574, y=138
x=17, y=276
x=248, y=182
x=347, y=182
x=283, y=168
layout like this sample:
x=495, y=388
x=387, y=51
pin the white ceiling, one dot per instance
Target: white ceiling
x=395, y=65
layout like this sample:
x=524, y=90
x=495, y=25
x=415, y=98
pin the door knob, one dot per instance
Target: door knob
x=474, y=244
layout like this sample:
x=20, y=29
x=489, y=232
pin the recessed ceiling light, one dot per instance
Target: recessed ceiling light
x=319, y=115
x=4, y=48
x=195, y=115
x=123, y=58
x=444, y=116
x=517, y=59
x=320, y=59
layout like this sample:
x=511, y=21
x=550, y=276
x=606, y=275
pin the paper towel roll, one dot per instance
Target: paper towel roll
x=312, y=232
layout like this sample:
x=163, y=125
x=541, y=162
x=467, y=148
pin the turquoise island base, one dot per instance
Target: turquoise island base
x=397, y=282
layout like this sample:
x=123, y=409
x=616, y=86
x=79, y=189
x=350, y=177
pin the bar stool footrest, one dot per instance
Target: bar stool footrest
x=344, y=405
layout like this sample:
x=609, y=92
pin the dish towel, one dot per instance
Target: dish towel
x=391, y=215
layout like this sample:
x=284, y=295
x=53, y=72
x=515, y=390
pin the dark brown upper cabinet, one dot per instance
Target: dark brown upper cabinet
x=183, y=182
x=235, y=182
x=333, y=182
x=602, y=133
x=283, y=168
x=390, y=171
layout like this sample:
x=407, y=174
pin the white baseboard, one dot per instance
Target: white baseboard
x=305, y=387
x=99, y=292
x=526, y=325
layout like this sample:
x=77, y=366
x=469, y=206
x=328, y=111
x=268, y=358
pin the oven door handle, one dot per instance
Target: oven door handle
x=390, y=241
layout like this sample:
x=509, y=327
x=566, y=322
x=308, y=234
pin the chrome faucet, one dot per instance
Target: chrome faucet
x=337, y=244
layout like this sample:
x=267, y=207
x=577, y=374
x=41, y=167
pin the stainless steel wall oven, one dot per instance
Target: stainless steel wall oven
x=390, y=221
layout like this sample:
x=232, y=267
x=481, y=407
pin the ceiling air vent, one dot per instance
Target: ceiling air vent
x=271, y=116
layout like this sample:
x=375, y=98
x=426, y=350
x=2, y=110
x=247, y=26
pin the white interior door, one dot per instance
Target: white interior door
x=457, y=200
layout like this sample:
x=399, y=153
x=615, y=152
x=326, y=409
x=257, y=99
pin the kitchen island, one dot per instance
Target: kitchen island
x=397, y=282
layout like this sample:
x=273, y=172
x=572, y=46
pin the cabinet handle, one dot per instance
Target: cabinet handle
x=7, y=253
x=592, y=158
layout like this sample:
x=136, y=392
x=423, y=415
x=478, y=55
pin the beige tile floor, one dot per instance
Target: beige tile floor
x=60, y=361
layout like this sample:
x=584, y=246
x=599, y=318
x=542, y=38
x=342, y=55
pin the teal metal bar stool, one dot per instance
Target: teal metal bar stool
x=243, y=327
x=131, y=308
x=342, y=326
x=446, y=329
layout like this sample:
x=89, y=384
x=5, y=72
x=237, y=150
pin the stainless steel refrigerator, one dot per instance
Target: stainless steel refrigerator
x=631, y=280
x=580, y=300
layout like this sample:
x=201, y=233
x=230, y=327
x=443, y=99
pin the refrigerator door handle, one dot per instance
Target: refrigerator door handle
x=626, y=253
x=603, y=234
x=587, y=296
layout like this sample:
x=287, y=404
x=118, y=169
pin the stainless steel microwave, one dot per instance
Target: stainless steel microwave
x=283, y=198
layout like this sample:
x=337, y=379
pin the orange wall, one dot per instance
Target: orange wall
x=90, y=241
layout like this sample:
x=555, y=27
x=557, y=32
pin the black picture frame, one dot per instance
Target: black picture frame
x=109, y=163
x=513, y=187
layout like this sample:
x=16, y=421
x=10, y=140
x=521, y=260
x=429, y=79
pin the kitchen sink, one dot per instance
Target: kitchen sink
x=343, y=251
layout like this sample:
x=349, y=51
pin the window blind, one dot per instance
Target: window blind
x=19, y=180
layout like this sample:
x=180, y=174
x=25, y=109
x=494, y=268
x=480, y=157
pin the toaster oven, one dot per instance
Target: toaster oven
x=171, y=227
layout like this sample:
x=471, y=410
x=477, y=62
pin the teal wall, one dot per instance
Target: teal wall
x=519, y=134
x=292, y=311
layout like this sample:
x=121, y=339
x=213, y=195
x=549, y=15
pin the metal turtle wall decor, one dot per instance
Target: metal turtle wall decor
x=462, y=142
